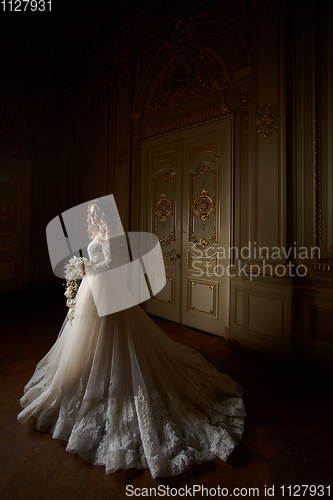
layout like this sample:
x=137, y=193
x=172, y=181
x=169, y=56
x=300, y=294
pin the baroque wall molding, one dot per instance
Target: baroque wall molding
x=268, y=119
x=214, y=35
x=190, y=91
x=191, y=74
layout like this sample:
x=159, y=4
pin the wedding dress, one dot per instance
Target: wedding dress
x=123, y=394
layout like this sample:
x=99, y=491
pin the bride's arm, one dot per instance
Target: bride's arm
x=106, y=264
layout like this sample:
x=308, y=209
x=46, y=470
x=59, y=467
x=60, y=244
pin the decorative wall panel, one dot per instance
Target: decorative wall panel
x=318, y=323
x=266, y=316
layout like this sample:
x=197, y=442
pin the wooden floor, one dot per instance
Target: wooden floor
x=288, y=435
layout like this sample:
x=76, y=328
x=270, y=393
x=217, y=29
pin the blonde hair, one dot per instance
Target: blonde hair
x=98, y=231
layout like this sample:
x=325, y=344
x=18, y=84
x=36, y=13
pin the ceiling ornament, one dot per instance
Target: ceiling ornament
x=190, y=75
x=268, y=119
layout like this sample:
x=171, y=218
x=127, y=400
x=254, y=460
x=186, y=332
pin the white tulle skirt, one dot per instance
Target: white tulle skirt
x=125, y=395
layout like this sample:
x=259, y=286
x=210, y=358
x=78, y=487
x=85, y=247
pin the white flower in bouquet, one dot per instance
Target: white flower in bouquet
x=74, y=272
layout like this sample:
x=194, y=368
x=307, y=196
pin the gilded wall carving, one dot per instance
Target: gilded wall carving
x=268, y=119
x=190, y=75
x=191, y=91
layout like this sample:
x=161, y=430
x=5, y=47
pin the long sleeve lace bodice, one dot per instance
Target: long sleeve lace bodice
x=100, y=256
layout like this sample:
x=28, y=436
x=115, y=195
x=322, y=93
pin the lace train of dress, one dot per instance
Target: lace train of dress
x=125, y=395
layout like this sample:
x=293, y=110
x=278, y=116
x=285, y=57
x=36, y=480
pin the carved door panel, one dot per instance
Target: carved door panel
x=14, y=230
x=189, y=181
x=206, y=228
x=164, y=170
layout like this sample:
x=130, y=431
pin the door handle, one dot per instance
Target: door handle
x=175, y=257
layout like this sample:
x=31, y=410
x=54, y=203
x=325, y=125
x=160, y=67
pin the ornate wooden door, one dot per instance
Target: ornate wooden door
x=187, y=189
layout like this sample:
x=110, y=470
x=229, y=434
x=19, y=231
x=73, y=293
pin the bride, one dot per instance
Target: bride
x=122, y=393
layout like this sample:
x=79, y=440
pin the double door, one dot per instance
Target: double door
x=186, y=199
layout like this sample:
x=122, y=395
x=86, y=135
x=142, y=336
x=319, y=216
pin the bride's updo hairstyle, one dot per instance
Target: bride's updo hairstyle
x=108, y=214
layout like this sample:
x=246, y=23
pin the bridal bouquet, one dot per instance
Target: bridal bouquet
x=74, y=272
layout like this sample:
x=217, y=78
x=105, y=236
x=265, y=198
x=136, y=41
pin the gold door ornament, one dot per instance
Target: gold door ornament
x=203, y=210
x=163, y=208
x=203, y=206
x=164, y=195
x=268, y=119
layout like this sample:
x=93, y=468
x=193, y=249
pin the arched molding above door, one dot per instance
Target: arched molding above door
x=216, y=36
x=186, y=82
